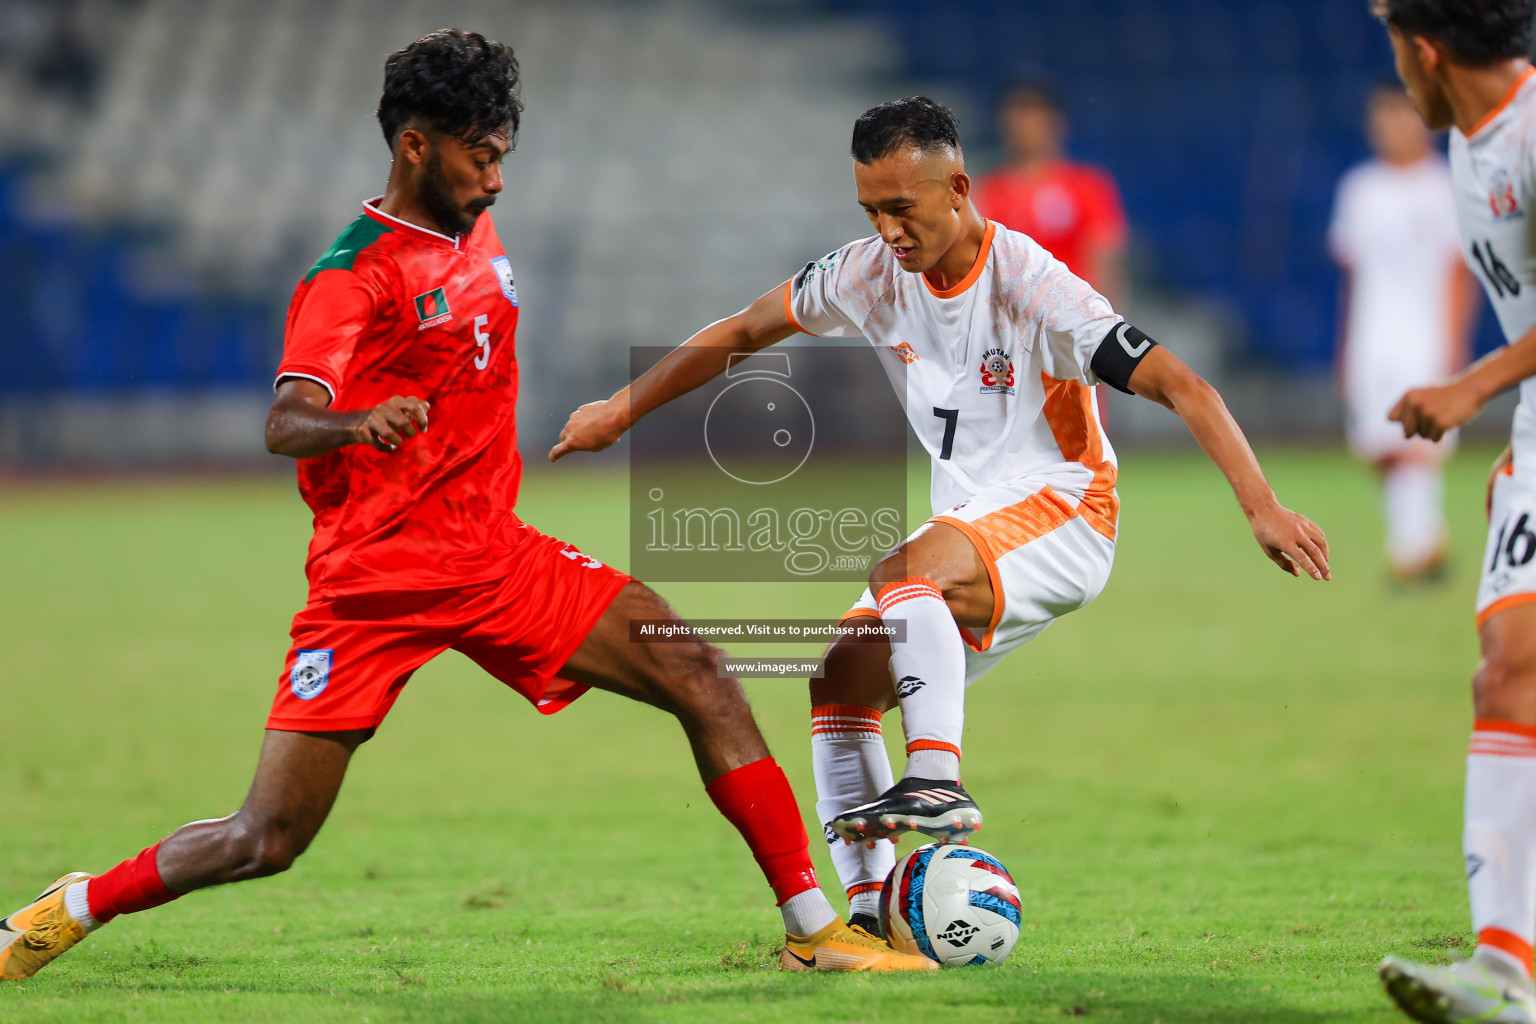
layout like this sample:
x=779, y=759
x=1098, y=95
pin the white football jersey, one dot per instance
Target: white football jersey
x=1493, y=169
x=996, y=370
x=1394, y=230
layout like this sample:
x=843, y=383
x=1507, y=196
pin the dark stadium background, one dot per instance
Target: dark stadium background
x=168, y=169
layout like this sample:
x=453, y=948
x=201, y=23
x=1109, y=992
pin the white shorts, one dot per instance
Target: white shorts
x=1372, y=436
x=1046, y=554
x=1509, y=557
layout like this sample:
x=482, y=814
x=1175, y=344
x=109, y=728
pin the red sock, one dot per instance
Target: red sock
x=756, y=798
x=132, y=886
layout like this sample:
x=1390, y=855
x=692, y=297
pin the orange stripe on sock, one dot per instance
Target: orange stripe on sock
x=932, y=745
x=854, y=890
x=1504, y=725
x=924, y=583
x=1495, y=750
x=1507, y=942
x=846, y=730
x=846, y=711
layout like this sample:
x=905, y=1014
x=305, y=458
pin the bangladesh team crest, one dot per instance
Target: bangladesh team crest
x=432, y=309
x=503, y=268
x=996, y=373
x=311, y=673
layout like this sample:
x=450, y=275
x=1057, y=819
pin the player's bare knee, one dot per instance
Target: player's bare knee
x=260, y=850
x=890, y=569
x=697, y=689
x=855, y=673
x=678, y=677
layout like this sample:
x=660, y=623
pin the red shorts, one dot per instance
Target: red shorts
x=352, y=656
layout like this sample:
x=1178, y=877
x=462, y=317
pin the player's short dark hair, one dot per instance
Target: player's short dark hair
x=914, y=121
x=1474, y=32
x=459, y=83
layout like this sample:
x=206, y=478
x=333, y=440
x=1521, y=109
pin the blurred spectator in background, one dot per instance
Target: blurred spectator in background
x=1407, y=316
x=1071, y=209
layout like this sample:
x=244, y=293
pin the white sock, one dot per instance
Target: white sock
x=78, y=906
x=1413, y=500
x=851, y=767
x=1500, y=839
x=932, y=764
x=929, y=672
x=868, y=901
x=807, y=913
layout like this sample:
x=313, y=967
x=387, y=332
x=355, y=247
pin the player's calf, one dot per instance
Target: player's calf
x=1504, y=685
x=296, y=783
x=1499, y=838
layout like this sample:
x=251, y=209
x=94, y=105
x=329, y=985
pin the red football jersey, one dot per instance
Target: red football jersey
x=1066, y=207
x=395, y=309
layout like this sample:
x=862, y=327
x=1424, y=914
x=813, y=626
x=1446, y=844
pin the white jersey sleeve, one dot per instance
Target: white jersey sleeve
x=833, y=297
x=1344, y=226
x=1044, y=301
x=1076, y=320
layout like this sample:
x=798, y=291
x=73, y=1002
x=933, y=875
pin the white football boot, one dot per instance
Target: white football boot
x=1483, y=990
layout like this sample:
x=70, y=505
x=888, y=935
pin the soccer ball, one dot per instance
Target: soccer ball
x=954, y=904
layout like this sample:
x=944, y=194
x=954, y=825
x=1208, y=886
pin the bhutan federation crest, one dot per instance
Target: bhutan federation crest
x=1501, y=195
x=996, y=373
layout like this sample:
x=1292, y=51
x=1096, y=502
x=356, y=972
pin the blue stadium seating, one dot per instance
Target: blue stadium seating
x=74, y=323
x=1226, y=122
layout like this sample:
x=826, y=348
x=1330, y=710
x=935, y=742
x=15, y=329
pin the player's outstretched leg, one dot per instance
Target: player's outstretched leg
x=296, y=783
x=740, y=776
x=934, y=582
x=1499, y=842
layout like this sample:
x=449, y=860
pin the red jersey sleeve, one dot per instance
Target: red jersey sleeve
x=327, y=316
x=1105, y=219
x=984, y=197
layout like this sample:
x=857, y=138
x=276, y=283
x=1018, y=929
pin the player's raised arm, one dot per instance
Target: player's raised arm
x=301, y=425
x=1291, y=540
x=695, y=362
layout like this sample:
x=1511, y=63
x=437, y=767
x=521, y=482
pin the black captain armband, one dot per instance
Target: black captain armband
x=1118, y=355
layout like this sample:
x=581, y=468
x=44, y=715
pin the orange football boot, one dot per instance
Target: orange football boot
x=839, y=947
x=39, y=931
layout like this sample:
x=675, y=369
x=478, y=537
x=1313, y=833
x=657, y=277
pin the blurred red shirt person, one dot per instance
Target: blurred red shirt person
x=1072, y=209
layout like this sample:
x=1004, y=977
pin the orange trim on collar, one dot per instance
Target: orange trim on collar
x=973, y=273
x=1508, y=98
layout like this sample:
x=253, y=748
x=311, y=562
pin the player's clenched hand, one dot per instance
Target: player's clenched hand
x=1293, y=542
x=388, y=424
x=1430, y=412
x=591, y=428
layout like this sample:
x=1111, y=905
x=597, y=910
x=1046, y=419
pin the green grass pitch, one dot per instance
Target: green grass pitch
x=1224, y=793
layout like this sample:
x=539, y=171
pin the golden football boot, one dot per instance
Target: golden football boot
x=39, y=931
x=838, y=947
